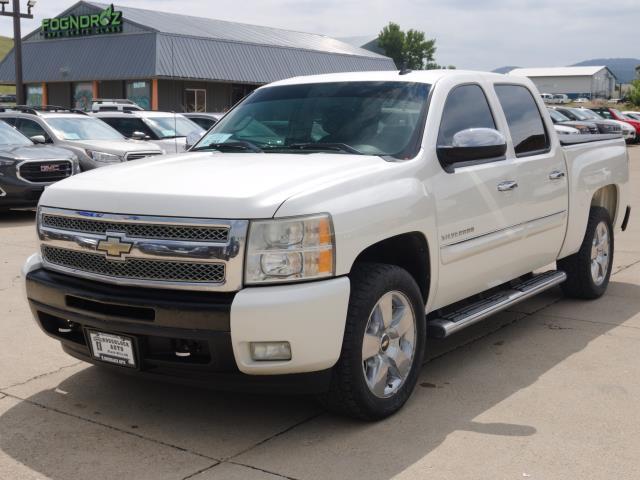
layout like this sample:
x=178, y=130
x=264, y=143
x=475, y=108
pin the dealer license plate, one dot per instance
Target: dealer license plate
x=112, y=348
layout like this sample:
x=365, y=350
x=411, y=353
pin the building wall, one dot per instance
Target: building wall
x=59, y=94
x=111, y=89
x=171, y=95
x=600, y=85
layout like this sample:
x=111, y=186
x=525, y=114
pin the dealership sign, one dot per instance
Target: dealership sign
x=107, y=21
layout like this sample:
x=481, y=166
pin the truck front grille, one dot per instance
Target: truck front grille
x=45, y=171
x=143, y=250
x=138, y=230
x=135, y=268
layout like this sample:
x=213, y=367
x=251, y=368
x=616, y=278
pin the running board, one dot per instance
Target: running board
x=468, y=315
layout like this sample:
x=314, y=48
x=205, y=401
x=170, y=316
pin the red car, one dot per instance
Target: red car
x=615, y=114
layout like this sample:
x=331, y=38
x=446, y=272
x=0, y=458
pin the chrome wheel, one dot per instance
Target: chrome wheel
x=600, y=248
x=389, y=344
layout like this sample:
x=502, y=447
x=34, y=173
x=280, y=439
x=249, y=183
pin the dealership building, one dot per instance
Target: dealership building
x=575, y=82
x=166, y=61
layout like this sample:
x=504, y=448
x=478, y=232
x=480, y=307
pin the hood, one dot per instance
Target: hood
x=172, y=145
x=119, y=147
x=35, y=152
x=207, y=184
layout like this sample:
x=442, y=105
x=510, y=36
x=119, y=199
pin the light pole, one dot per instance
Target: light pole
x=17, y=41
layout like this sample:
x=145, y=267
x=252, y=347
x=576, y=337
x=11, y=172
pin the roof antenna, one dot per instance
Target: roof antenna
x=403, y=68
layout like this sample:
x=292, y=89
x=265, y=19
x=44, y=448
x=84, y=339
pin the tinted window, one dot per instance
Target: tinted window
x=10, y=121
x=29, y=128
x=126, y=126
x=523, y=117
x=466, y=107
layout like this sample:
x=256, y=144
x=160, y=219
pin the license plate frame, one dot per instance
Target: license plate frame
x=127, y=358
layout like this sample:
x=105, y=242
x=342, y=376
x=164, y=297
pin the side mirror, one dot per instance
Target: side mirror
x=193, y=138
x=473, y=144
x=139, y=135
x=38, y=139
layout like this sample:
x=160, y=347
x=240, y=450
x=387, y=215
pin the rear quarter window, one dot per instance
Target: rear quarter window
x=525, y=122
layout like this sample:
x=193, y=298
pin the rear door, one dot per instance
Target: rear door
x=542, y=174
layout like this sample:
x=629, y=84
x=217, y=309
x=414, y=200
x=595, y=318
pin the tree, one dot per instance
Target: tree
x=634, y=93
x=411, y=49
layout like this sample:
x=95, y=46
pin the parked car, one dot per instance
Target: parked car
x=633, y=115
x=582, y=127
x=8, y=98
x=113, y=105
x=205, y=120
x=615, y=114
x=627, y=131
x=315, y=256
x=564, y=130
x=94, y=143
x=168, y=131
x=547, y=98
x=560, y=98
x=26, y=168
x=584, y=115
x=581, y=100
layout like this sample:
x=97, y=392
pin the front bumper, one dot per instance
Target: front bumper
x=311, y=317
x=16, y=193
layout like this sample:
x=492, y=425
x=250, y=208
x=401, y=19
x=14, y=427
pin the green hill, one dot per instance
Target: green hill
x=6, y=44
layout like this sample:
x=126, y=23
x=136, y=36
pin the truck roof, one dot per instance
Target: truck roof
x=420, y=76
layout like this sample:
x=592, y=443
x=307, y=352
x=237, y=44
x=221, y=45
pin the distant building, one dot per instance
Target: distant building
x=166, y=61
x=590, y=82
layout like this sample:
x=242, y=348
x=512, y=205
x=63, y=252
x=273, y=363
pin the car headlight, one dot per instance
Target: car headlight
x=103, y=156
x=290, y=249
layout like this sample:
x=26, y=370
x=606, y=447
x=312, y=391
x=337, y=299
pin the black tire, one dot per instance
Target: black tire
x=580, y=282
x=349, y=393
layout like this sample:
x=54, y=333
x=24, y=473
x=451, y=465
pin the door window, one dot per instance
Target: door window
x=29, y=128
x=82, y=95
x=195, y=100
x=523, y=117
x=139, y=92
x=127, y=126
x=466, y=107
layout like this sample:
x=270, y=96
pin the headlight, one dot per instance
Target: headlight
x=291, y=249
x=103, y=156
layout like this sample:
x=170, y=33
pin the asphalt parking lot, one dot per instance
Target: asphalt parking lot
x=548, y=390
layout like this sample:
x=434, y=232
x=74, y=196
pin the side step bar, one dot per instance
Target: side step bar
x=466, y=316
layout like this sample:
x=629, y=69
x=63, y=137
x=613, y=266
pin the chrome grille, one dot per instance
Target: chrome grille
x=135, y=268
x=45, y=171
x=139, y=155
x=138, y=230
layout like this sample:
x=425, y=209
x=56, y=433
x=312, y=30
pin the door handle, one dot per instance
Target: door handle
x=508, y=185
x=556, y=175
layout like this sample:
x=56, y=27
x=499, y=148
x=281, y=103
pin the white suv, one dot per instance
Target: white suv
x=167, y=130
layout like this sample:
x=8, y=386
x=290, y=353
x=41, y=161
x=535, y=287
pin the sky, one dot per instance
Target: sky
x=472, y=34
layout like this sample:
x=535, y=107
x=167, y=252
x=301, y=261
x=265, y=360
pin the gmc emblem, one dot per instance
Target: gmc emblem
x=49, y=168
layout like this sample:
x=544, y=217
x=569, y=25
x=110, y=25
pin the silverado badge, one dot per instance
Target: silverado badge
x=114, y=247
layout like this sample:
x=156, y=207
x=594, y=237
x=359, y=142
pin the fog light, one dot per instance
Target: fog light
x=265, y=351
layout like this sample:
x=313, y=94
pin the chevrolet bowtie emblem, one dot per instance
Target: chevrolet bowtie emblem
x=114, y=247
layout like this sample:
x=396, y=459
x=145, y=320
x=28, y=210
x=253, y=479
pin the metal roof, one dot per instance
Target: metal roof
x=159, y=44
x=557, y=71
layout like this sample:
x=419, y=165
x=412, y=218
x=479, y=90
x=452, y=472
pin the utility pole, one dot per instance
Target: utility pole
x=17, y=41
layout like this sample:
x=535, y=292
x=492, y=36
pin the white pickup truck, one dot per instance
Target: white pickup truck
x=322, y=229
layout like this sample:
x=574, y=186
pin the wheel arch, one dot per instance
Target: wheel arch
x=409, y=251
x=607, y=198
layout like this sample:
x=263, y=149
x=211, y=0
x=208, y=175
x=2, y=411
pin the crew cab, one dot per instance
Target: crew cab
x=315, y=236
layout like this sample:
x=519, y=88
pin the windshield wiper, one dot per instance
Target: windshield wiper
x=234, y=146
x=335, y=147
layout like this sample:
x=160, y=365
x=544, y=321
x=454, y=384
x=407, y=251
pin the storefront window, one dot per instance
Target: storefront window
x=195, y=100
x=139, y=91
x=34, y=95
x=82, y=95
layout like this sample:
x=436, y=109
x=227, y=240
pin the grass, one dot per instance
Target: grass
x=6, y=44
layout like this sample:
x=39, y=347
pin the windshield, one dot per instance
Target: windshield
x=556, y=116
x=589, y=114
x=172, y=126
x=83, y=128
x=370, y=118
x=10, y=136
x=579, y=114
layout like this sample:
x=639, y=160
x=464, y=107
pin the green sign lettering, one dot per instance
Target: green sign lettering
x=107, y=21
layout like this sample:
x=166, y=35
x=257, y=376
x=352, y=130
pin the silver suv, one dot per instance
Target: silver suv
x=167, y=130
x=95, y=143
